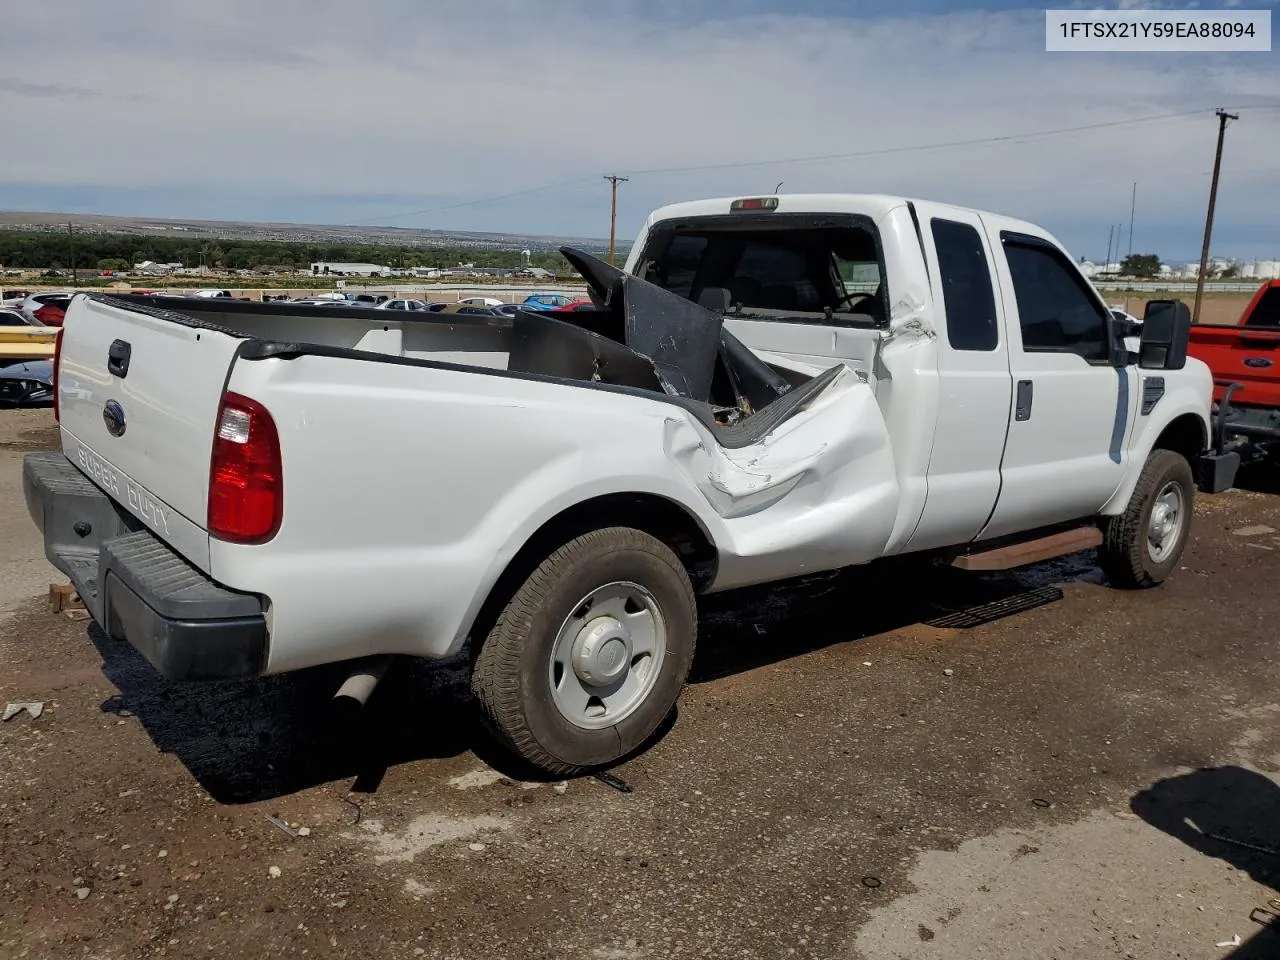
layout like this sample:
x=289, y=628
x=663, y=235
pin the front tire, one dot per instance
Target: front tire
x=1141, y=546
x=589, y=656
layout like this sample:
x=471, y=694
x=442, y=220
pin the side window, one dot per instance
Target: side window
x=966, y=287
x=1055, y=310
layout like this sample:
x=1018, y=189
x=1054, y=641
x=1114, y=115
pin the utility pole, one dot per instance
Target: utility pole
x=1111, y=232
x=613, y=212
x=1133, y=205
x=1223, y=117
x=71, y=240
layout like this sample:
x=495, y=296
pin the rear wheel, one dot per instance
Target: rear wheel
x=1142, y=546
x=590, y=654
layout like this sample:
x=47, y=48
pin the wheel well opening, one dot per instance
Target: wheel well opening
x=654, y=515
x=1185, y=435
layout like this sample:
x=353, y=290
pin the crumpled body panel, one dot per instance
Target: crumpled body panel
x=817, y=493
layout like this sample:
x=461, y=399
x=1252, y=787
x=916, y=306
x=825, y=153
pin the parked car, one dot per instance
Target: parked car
x=574, y=305
x=26, y=383
x=411, y=305
x=13, y=317
x=47, y=309
x=507, y=309
x=212, y=293
x=1245, y=362
x=467, y=310
x=481, y=301
x=545, y=301
x=437, y=306
x=558, y=497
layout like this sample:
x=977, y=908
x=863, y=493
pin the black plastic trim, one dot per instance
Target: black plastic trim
x=135, y=586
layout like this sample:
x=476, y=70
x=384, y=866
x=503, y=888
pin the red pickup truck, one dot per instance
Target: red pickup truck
x=1245, y=361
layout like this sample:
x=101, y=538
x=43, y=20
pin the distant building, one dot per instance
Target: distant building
x=534, y=273
x=149, y=268
x=349, y=270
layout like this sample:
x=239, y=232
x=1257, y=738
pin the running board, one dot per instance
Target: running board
x=1031, y=551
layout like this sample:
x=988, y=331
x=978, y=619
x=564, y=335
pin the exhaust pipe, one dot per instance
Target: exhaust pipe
x=364, y=678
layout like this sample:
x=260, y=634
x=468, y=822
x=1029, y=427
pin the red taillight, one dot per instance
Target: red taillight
x=57, y=366
x=246, y=484
x=50, y=315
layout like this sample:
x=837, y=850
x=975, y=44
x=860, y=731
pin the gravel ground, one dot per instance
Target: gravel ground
x=1094, y=777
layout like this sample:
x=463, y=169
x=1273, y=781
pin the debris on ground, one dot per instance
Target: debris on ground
x=82, y=893
x=33, y=709
x=477, y=847
x=948, y=672
x=609, y=780
x=63, y=597
x=273, y=872
x=561, y=787
x=1233, y=942
x=271, y=818
x=1256, y=530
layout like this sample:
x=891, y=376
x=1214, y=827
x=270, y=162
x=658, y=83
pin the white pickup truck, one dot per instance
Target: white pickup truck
x=772, y=387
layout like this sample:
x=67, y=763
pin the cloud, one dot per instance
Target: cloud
x=405, y=106
x=21, y=88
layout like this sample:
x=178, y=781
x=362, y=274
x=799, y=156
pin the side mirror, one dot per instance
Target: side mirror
x=1166, y=330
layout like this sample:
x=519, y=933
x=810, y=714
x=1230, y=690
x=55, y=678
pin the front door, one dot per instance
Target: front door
x=1067, y=438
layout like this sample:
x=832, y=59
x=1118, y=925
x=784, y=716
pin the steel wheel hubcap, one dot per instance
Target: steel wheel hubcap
x=1164, y=529
x=607, y=655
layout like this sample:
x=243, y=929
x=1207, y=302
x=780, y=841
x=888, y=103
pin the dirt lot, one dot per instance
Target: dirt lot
x=846, y=779
x=1219, y=308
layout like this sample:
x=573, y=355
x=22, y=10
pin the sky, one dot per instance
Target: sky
x=504, y=115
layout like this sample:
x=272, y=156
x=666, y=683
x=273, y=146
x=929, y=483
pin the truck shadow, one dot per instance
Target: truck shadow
x=744, y=629
x=1232, y=814
x=246, y=741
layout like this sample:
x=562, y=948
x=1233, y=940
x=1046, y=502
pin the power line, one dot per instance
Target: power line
x=946, y=145
x=744, y=164
x=479, y=200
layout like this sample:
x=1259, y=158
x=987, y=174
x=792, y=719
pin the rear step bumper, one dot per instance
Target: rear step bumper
x=136, y=588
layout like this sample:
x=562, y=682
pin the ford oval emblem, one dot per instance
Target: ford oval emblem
x=1257, y=362
x=113, y=417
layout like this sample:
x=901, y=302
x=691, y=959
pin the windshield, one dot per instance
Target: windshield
x=772, y=271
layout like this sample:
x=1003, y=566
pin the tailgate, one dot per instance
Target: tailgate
x=1240, y=355
x=139, y=390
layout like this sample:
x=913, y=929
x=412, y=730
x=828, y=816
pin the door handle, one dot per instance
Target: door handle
x=1022, y=411
x=118, y=358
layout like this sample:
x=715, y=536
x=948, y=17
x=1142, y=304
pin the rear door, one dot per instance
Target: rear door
x=974, y=388
x=1072, y=407
x=139, y=393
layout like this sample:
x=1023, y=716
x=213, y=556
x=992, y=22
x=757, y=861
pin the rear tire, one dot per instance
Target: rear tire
x=589, y=656
x=1141, y=546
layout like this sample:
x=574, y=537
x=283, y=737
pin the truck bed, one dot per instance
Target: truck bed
x=1249, y=356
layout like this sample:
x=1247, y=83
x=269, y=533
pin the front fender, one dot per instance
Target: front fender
x=1188, y=393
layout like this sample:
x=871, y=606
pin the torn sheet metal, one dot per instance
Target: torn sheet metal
x=820, y=490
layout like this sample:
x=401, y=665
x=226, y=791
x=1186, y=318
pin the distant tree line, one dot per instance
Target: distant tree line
x=120, y=251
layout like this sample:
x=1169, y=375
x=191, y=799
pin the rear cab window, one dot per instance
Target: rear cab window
x=801, y=268
x=1266, y=311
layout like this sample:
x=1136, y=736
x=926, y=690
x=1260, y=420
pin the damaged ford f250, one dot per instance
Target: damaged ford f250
x=772, y=387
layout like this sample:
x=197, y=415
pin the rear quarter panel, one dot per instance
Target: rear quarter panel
x=408, y=489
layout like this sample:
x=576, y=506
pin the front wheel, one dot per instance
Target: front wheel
x=1141, y=546
x=590, y=654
